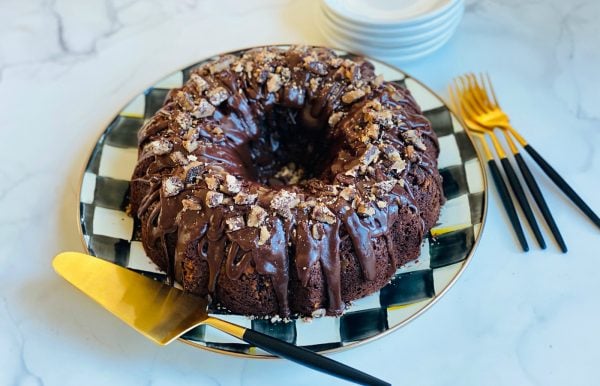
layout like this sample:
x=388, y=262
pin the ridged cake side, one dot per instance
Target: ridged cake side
x=286, y=181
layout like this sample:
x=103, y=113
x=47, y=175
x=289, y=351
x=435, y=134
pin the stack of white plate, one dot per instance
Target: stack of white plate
x=390, y=30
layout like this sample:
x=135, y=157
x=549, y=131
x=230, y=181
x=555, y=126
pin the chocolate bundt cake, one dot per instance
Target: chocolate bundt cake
x=285, y=181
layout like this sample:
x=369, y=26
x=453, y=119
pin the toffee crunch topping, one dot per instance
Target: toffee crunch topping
x=264, y=161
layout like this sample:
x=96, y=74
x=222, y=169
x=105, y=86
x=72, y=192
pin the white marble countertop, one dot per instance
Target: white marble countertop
x=67, y=66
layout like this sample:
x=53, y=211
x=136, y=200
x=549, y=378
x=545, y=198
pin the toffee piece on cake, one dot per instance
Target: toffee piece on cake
x=286, y=182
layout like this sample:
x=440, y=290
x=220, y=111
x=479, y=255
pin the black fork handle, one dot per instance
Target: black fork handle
x=563, y=185
x=540, y=201
x=519, y=192
x=508, y=204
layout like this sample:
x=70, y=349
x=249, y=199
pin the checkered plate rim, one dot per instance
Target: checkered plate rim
x=476, y=197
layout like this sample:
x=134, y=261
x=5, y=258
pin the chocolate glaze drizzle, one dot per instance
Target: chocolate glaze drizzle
x=205, y=164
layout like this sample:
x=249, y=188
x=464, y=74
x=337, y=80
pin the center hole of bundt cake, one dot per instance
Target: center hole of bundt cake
x=289, y=151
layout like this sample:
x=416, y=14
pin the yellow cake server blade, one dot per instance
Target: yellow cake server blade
x=156, y=310
x=163, y=313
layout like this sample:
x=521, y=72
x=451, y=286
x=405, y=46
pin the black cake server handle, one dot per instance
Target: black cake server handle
x=310, y=359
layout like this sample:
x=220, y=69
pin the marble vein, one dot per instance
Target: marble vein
x=66, y=67
x=25, y=375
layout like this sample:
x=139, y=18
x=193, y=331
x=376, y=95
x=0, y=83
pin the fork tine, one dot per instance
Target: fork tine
x=479, y=94
x=459, y=94
x=476, y=85
x=467, y=86
x=492, y=92
x=467, y=101
x=470, y=87
x=455, y=99
x=485, y=96
x=465, y=113
x=465, y=96
x=484, y=91
x=454, y=102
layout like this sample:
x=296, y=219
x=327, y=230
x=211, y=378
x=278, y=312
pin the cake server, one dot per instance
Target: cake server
x=163, y=313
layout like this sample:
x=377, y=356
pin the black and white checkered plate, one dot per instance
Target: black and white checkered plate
x=109, y=233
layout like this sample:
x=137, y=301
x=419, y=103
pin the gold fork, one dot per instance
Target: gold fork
x=490, y=115
x=472, y=102
x=480, y=133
